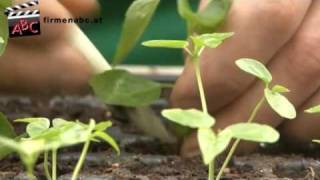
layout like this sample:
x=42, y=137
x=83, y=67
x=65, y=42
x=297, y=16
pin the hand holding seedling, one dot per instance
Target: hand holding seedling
x=40, y=63
x=264, y=30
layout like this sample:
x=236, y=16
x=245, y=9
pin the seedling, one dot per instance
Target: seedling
x=62, y=133
x=211, y=144
x=274, y=96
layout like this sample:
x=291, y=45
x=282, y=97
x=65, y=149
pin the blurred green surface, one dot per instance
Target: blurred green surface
x=166, y=24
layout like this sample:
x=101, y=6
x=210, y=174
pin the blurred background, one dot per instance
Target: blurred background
x=166, y=24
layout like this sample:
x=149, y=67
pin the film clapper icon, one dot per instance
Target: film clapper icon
x=23, y=23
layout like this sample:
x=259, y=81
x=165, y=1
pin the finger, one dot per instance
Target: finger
x=296, y=67
x=50, y=32
x=261, y=28
x=81, y=8
x=58, y=69
x=306, y=127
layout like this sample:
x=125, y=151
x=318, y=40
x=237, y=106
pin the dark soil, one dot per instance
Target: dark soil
x=143, y=157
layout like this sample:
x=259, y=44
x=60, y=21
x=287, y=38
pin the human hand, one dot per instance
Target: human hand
x=48, y=63
x=281, y=34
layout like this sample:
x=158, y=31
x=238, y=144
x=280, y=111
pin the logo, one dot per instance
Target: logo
x=23, y=23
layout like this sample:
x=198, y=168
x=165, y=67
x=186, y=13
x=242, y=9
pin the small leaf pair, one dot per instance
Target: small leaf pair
x=278, y=102
x=212, y=144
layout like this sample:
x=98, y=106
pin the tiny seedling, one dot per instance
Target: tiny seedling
x=274, y=96
x=41, y=138
x=314, y=110
x=211, y=144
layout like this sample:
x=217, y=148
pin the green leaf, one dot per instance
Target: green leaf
x=4, y=33
x=280, y=104
x=58, y=122
x=191, y=118
x=313, y=110
x=137, y=19
x=36, y=126
x=280, y=89
x=211, y=145
x=6, y=130
x=4, y=4
x=207, y=20
x=316, y=141
x=166, y=44
x=118, y=87
x=255, y=68
x=254, y=132
x=104, y=136
x=207, y=138
x=28, y=150
x=211, y=40
x=102, y=126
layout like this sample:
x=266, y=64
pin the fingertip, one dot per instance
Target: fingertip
x=82, y=8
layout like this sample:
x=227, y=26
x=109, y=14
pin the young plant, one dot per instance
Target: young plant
x=314, y=110
x=61, y=134
x=274, y=96
x=211, y=144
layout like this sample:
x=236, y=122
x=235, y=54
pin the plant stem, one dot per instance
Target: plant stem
x=200, y=86
x=30, y=174
x=204, y=107
x=46, y=166
x=81, y=160
x=211, y=171
x=54, y=164
x=236, y=143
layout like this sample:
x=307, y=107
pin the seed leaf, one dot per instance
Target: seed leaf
x=313, y=110
x=58, y=123
x=207, y=138
x=136, y=21
x=280, y=104
x=280, y=89
x=211, y=145
x=36, y=126
x=212, y=40
x=118, y=87
x=104, y=136
x=254, y=132
x=191, y=118
x=6, y=130
x=316, y=141
x=255, y=68
x=166, y=44
x=28, y=150
x=102, y=126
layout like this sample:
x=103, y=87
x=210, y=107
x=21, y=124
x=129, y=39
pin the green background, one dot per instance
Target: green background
x=166, y=24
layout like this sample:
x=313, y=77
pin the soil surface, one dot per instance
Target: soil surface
x=142, y=157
